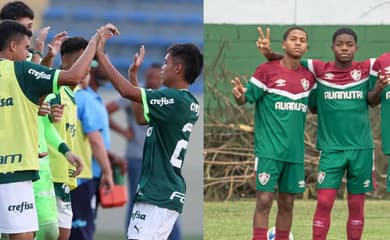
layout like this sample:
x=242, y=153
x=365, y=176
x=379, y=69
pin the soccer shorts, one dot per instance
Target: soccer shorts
x=358, y=165
x=17, y=208
x=64, y=205
x=288, y=176
x=388, y=176
x=149, y=221
x=45, y=198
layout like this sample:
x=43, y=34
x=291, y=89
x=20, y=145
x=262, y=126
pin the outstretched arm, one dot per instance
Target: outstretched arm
x=137, y=107
x=124, y=87
x=374, y=96
x=80, y=69
x=263, y=43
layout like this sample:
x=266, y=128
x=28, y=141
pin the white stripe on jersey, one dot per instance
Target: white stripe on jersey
x=278, y=91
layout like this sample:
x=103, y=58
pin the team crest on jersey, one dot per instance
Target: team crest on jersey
x=263, y=178
x=280, y=83
x=321, y=177
x=387, y=70
x=356, y=74
x=329, y=76
x=305, y=83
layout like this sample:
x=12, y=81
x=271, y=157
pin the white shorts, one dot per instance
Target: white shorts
x=150, y=222
x=17, y=208
x=65, y=213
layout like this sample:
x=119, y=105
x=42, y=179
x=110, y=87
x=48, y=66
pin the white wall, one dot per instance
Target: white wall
x=300, y=12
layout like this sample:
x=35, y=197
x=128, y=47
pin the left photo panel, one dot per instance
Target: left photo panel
x=101, y=105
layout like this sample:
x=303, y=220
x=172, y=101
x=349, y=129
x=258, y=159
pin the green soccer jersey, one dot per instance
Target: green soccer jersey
x=341, y=102
x=383, y=64
x=21, y=86
x=171, y=114
x=281, y=97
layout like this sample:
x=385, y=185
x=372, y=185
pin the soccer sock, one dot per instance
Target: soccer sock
x=355, y=222
x=259, y=234
x=321, y=221
x=282, y=234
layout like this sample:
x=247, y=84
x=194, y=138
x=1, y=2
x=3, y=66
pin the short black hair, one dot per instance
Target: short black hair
x=191, y=58
x=73, y=44
x=11, y=30
x=344, y=30
x=287, y=32
x=15, y=10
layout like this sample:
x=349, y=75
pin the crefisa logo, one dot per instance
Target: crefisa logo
x=21, y=207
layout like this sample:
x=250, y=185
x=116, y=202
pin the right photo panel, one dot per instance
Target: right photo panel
x=296, y=113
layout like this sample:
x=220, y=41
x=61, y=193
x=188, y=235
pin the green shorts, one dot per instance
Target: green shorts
x=289, y=177
x=388, y=176
x=45, y=198
x=62, y=191
x=358, y=165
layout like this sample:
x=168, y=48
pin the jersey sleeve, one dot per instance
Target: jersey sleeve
x=36, y=80
x=375, y=66
x=159, y=104
x=312, y=65
x=86, y=112
x=257, y=85
x=313, y=98
x=52, y=136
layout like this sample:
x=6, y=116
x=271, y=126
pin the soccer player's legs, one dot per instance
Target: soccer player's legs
x=331, y=169
x=291, y=182
x=359, y=181
x=359, y=171
x=18, y=211
x=330, y=173
x=267, y=176
x=48, y=231
x=84, y=210
x=150, y=222
x=46, y=206
x=64, y=209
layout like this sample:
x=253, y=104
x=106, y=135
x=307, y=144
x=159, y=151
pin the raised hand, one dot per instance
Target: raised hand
x=55, y=44
x=238, y=90
x=263, y=43
x=382, y=81
x=104, y=33
x=74, y=161
x=39, y=43
x=137, y=61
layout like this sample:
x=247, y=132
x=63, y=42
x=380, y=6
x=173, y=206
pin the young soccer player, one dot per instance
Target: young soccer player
x=344, y=132
x=152, y=81
x=171, y=114
x=380, y=94
x=22, y=85
x=94, y=121
x=280, y=91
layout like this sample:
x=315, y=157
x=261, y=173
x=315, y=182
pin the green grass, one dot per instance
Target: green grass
x=233, y=220
x=102, y=236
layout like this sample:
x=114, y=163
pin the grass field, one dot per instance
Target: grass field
x=233, y=220
x=107, y=236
